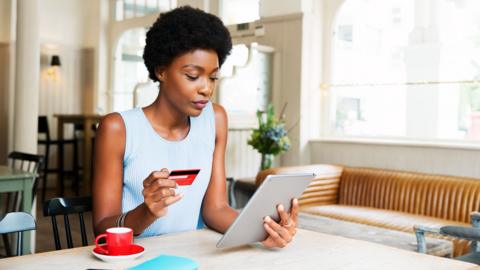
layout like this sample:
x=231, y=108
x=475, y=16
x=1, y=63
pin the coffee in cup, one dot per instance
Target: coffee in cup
x=119, y=240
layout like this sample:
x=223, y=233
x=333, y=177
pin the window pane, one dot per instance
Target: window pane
x=406, y=68
x=129, y=9
x=119, y=10
x=139, y=8
x=126, y=9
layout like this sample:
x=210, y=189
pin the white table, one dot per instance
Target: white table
x=309, y=250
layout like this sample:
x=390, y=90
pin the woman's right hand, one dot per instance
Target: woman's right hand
x=159, y=192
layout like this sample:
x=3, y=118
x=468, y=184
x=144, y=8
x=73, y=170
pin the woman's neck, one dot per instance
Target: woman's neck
x=166, y=119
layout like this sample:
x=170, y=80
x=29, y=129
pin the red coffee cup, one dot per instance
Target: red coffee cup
x=119, y=240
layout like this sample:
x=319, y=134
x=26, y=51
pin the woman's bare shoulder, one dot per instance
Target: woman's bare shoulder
x=112, y=123
x=220, y=113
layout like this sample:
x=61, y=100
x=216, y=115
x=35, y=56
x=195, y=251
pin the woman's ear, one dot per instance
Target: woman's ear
x=160, y=73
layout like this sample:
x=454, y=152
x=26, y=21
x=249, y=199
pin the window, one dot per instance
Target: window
x=246, y=79
x=129, y=68
x=127, y=9
x=406, y=68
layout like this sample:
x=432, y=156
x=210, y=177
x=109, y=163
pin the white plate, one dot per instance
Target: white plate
x=108, y=258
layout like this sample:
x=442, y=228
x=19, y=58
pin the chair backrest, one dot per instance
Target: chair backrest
x=66, y=206
x=17, y=222
x=25, y=162
x=43, y=126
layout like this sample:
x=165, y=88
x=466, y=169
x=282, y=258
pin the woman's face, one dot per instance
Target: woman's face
x=189, y=81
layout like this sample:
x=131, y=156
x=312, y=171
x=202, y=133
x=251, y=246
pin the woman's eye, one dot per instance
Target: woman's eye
x=191, y=78
x=213, y=78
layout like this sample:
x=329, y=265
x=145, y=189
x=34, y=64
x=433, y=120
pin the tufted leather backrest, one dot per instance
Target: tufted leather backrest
x=321, y=191
x=447, y=197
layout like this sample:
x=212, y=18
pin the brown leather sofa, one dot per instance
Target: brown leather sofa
x=390, y=199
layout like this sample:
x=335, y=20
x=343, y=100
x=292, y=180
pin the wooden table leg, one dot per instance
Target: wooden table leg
x=87, y=156
x=27, y=207
x=60, y=157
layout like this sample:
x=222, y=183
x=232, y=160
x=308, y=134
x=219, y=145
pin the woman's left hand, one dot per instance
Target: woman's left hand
x=280, y=234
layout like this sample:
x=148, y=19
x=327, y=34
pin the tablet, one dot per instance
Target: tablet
x=276, y=189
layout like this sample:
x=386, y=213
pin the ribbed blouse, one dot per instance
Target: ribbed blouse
x=147, y=151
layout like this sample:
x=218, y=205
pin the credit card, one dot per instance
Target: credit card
x=184, y=177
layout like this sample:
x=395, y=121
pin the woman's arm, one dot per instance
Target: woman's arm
x=108, y=182
x=216, y=213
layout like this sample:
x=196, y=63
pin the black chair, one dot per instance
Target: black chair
x=17, y=222
x=47, y=141
x=468, y=233
x=239, y=192
x=25, y=162
x=65, y=207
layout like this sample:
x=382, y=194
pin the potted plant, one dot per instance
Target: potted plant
x=270, y=138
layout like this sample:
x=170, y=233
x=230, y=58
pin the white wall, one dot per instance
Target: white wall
x=269, y=8
x=7, y=15
x=416, y=157
x=70, y=23
x=7, y=35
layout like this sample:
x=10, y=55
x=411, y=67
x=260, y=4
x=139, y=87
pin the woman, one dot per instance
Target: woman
x=181, y=129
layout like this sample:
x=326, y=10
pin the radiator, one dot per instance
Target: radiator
x=241, y=160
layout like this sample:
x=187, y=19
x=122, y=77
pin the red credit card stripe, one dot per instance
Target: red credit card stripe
x=186, y=181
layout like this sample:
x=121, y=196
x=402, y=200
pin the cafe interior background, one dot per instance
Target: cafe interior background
x=390, y=84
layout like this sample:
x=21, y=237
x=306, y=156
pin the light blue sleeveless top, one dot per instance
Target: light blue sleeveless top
x=147, y=151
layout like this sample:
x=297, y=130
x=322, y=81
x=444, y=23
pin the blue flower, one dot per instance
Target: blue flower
x=270, y=137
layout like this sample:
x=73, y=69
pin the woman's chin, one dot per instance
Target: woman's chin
x=194, y=113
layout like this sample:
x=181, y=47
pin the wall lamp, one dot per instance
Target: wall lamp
x=54, y=64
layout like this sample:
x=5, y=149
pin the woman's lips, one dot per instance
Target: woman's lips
x=200, y=104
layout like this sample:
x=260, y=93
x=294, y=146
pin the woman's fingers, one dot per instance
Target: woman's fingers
x=284, y=216
x=172, y=199
x=294, y=211
x=160, y=194
x=155, y=175
x=160, y=208
x=165, y=202
x=161, y=184
x=281, y=231
x=275, y=236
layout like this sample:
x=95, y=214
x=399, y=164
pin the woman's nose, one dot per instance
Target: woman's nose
x=207, y=88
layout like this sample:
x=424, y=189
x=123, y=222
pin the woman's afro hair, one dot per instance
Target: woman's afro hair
x=183, y=30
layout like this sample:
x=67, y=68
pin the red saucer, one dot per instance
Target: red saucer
x=134, y=249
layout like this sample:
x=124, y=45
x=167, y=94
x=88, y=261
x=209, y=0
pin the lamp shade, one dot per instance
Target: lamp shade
x=55, y=61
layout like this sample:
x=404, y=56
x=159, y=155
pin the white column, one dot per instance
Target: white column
x=27, y=71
